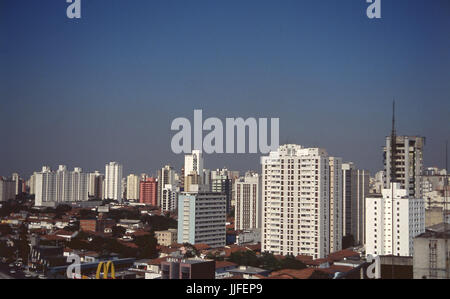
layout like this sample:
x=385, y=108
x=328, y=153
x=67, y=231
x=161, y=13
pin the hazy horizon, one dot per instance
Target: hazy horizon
x=107, y=87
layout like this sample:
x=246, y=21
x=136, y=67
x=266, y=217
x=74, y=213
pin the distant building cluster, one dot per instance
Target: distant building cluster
x=304, y=204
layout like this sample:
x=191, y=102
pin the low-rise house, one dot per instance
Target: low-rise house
x=343, y=254
x=173, y=250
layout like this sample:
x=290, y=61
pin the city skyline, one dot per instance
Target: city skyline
x=99, y=92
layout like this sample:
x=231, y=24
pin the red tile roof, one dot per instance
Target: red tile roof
x=167, y=250
x=304, y=258
x=340, y=255
x=129, y=244
x=157, y=261
x=229, y=251
x=202, y=246
x=315, y=263
x=307, y=273
x=255, y=247
x=140, y=233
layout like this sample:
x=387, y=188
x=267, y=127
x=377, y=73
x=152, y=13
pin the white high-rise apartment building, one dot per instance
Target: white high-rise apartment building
x=133, y=187
x=113, y=181
x=96, y=185
x=60, y=186
x=18, y=183
x=296, y=201
x=194, y=163
x=248, y=202
x=32, y=184
x=169, y=199
x=166, y=176
x=336, y=204
x=202, y=218
x=392, y=222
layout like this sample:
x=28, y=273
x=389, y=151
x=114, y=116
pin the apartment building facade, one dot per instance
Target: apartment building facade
x=248, y=202
x=202, y=218
x=392, y=222
x=296, y=201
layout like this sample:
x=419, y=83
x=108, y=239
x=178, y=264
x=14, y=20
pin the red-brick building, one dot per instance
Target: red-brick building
x=94, y=225
x=148, y=192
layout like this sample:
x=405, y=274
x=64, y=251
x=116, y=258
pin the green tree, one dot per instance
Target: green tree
x=290, y=262
x=147, y=246
x=245, y=258
x=269, y=262
x=158, y=223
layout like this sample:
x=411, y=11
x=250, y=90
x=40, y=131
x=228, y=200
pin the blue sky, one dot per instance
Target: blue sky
x=106, y=87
